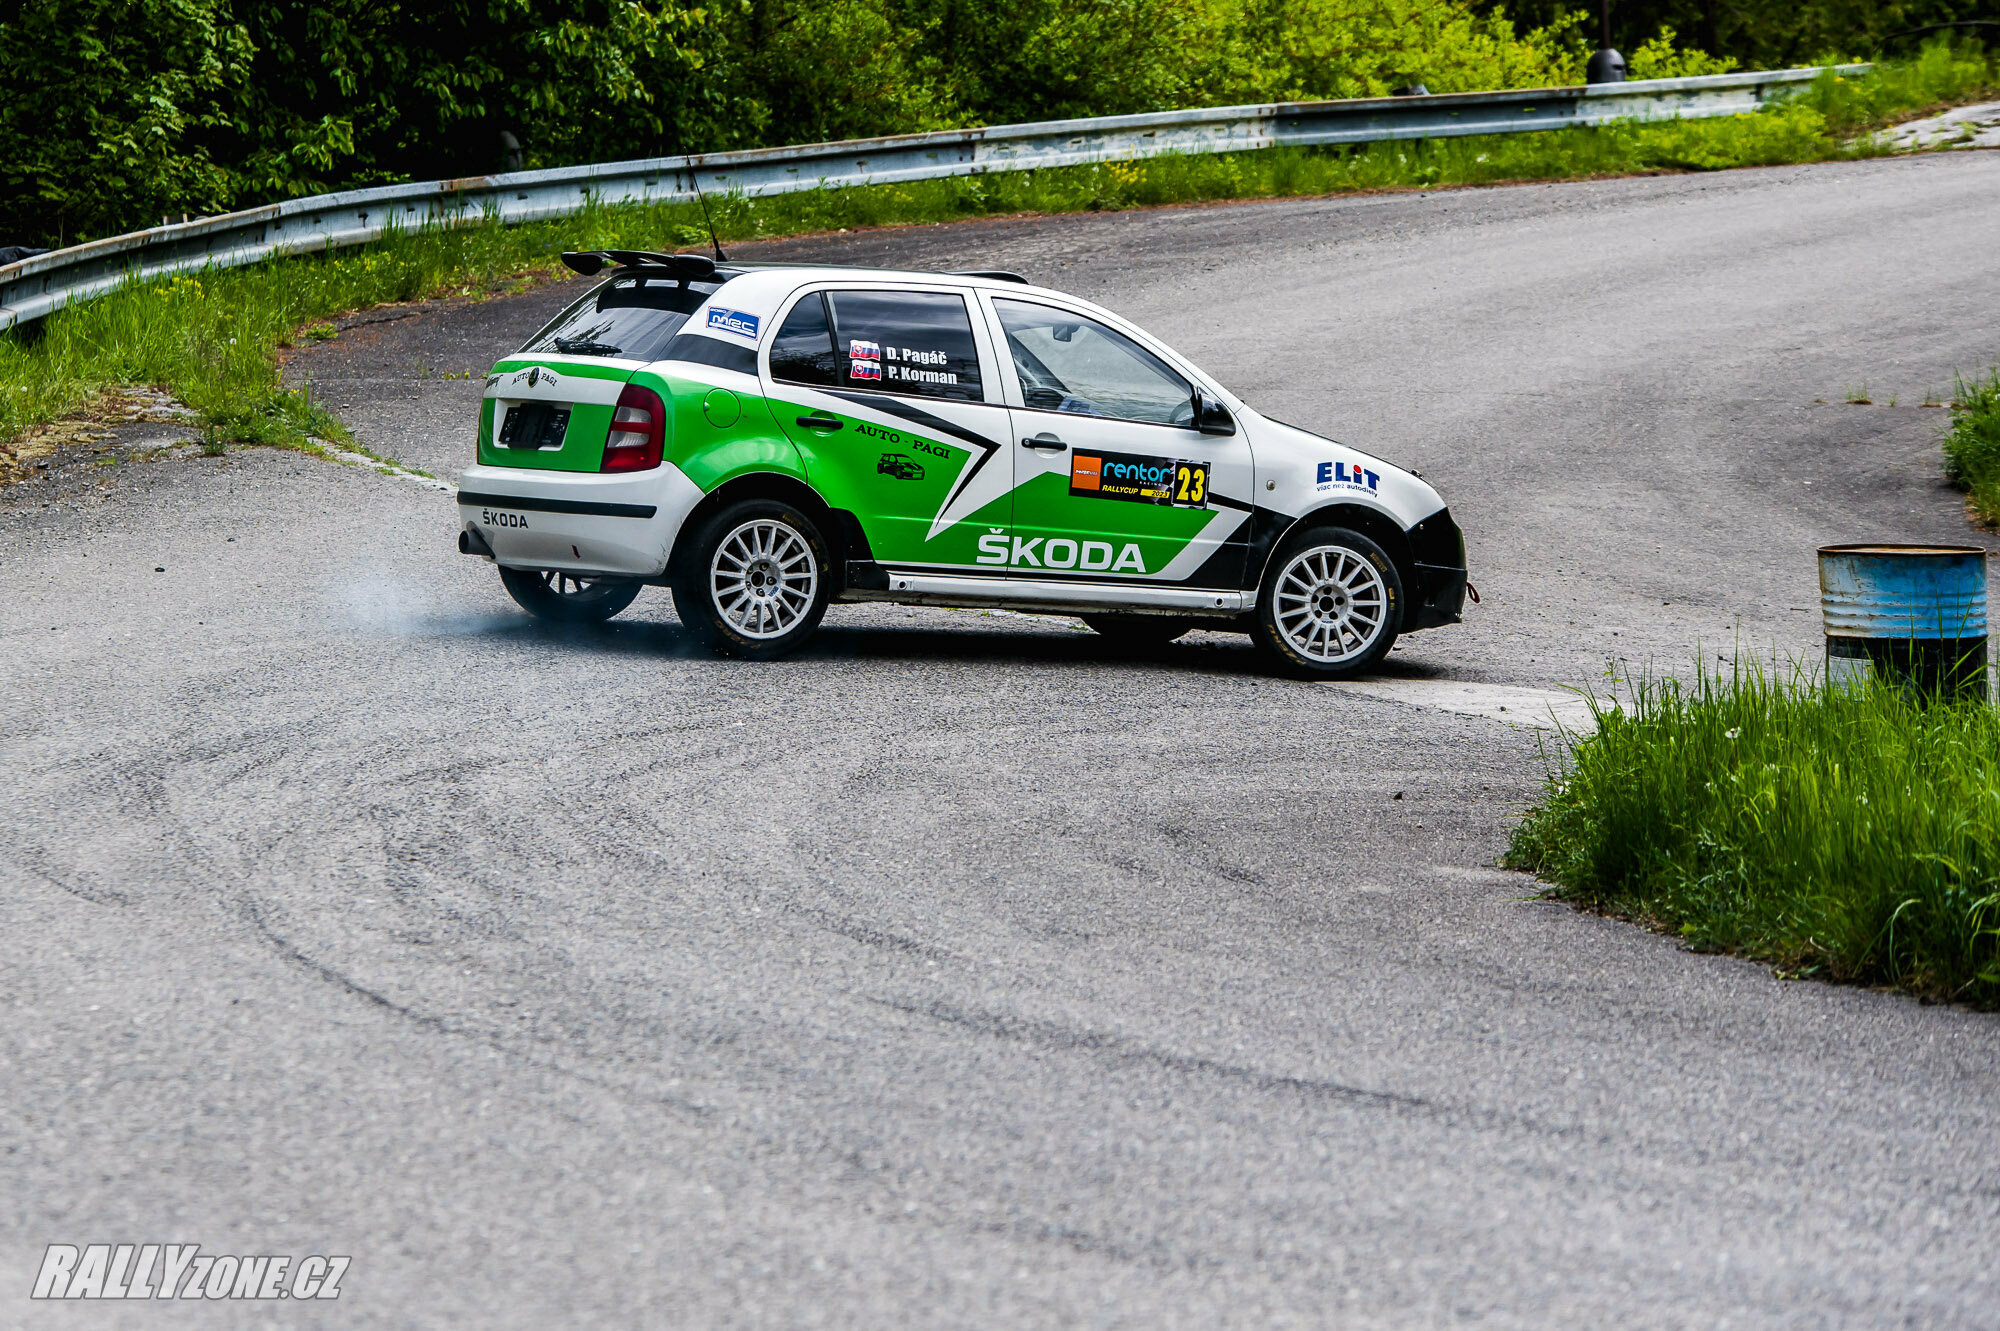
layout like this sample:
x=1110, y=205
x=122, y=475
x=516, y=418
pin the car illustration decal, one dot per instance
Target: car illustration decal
x=916, y=415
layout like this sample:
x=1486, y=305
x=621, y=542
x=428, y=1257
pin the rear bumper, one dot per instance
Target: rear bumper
x=577, y=521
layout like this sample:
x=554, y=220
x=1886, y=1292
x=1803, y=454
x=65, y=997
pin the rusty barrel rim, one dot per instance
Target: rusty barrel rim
x=1890, y=548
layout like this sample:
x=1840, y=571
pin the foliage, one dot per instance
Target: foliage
x=1659, y=58
x=1972, y=448
x=102, y=108
x=1852, y=834
x=1768, y=34
x=1940, y=73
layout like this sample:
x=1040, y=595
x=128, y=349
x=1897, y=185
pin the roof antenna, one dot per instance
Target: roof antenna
x=699, y=197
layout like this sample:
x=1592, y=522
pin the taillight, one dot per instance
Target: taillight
x=638, y=431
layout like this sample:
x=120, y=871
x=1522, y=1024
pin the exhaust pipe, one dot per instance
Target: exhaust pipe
x=471, y=542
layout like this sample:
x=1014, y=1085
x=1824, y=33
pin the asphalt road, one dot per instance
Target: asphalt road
x=960, y=971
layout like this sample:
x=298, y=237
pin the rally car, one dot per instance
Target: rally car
x=767, y=439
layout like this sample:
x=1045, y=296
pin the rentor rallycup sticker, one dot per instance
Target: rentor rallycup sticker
x=733, y=321
x=182, y=1271
x=1136, y=479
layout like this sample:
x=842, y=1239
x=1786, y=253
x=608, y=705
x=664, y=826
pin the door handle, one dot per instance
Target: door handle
x=816, y=421
x=1046, y=443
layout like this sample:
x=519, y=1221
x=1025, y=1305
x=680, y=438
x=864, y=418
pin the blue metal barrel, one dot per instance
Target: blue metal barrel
x=1911, y=613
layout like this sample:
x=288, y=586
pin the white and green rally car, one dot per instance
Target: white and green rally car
x=767, y=439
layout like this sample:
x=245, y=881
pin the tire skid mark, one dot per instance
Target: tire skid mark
x=295, y=957
x=109, y=897
x=1049, y=1035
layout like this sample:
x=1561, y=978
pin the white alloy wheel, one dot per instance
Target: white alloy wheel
x=1331, y=604
x=763, y=580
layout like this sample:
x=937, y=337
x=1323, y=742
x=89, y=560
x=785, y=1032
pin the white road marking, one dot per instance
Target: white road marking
x=1542, y=709
x=386, y=468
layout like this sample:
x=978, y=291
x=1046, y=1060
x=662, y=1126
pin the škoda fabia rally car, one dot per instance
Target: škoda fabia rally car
x=765, y=440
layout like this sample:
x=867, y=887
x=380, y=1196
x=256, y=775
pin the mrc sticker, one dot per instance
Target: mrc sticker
x=1138, y=479
x=733, y=321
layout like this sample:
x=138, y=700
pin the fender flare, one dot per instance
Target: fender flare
x=841, y=528
x=1374, y=523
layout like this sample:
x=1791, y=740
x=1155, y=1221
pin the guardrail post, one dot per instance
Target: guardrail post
x=1607, y=66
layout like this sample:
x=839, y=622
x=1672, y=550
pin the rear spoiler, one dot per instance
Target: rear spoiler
x=681, y=267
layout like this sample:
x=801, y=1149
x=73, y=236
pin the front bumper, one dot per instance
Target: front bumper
x=584, y=522
x=1443, y=599
x=1438, y=548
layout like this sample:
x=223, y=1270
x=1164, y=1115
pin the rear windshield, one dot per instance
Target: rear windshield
x=632, y=317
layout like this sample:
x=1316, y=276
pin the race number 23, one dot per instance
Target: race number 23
x=1191, y=483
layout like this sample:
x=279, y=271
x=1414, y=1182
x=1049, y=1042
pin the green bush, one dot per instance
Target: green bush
x=1972, y=448
x=103, y=106
x=1764, y=34
x=1849, y=834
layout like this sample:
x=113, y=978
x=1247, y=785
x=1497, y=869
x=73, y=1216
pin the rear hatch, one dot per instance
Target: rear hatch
x=550, y=405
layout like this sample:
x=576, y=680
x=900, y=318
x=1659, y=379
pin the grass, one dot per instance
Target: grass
x=1847, y=834
x=1972, y=448
x=212, y=339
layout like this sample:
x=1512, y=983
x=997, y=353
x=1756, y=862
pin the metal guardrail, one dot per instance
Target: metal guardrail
x=39, y=285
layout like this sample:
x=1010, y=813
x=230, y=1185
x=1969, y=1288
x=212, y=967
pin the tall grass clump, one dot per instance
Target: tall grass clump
x=1944, y=72
x=1852, y=834
x=1972, y=448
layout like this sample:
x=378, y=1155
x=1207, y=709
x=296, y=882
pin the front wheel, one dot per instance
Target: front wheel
x=1331, y=605
x=753, y=582
x=565, y=598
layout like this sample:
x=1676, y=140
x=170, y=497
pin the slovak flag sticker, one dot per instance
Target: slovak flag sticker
x=865, y=369
x=859, y=350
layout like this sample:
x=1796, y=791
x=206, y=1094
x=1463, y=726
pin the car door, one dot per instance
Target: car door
x=1112, y=480
x=889, y=393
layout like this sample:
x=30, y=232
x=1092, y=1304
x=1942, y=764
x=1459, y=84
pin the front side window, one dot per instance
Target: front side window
x=913, y=342
x=631, y=317
x=1071, y=364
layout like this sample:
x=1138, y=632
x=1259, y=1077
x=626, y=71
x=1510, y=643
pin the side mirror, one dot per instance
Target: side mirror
x=1210, y=416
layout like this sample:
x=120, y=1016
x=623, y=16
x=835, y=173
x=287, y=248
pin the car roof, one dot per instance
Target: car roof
x=794, y=275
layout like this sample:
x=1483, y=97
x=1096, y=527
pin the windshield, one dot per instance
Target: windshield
x=632, y=317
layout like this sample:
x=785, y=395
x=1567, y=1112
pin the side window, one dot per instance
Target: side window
x=1072, y=364
x=912, y=342
x=802, y=352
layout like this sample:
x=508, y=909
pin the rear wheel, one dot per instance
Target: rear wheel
x=754, y=581
x=1138, y=631
x=566, y=598
x=1331, y=605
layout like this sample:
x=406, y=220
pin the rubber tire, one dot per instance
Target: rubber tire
x=606, y=597
x=1264, y=627
x=695, y=603
x=1139, y=632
